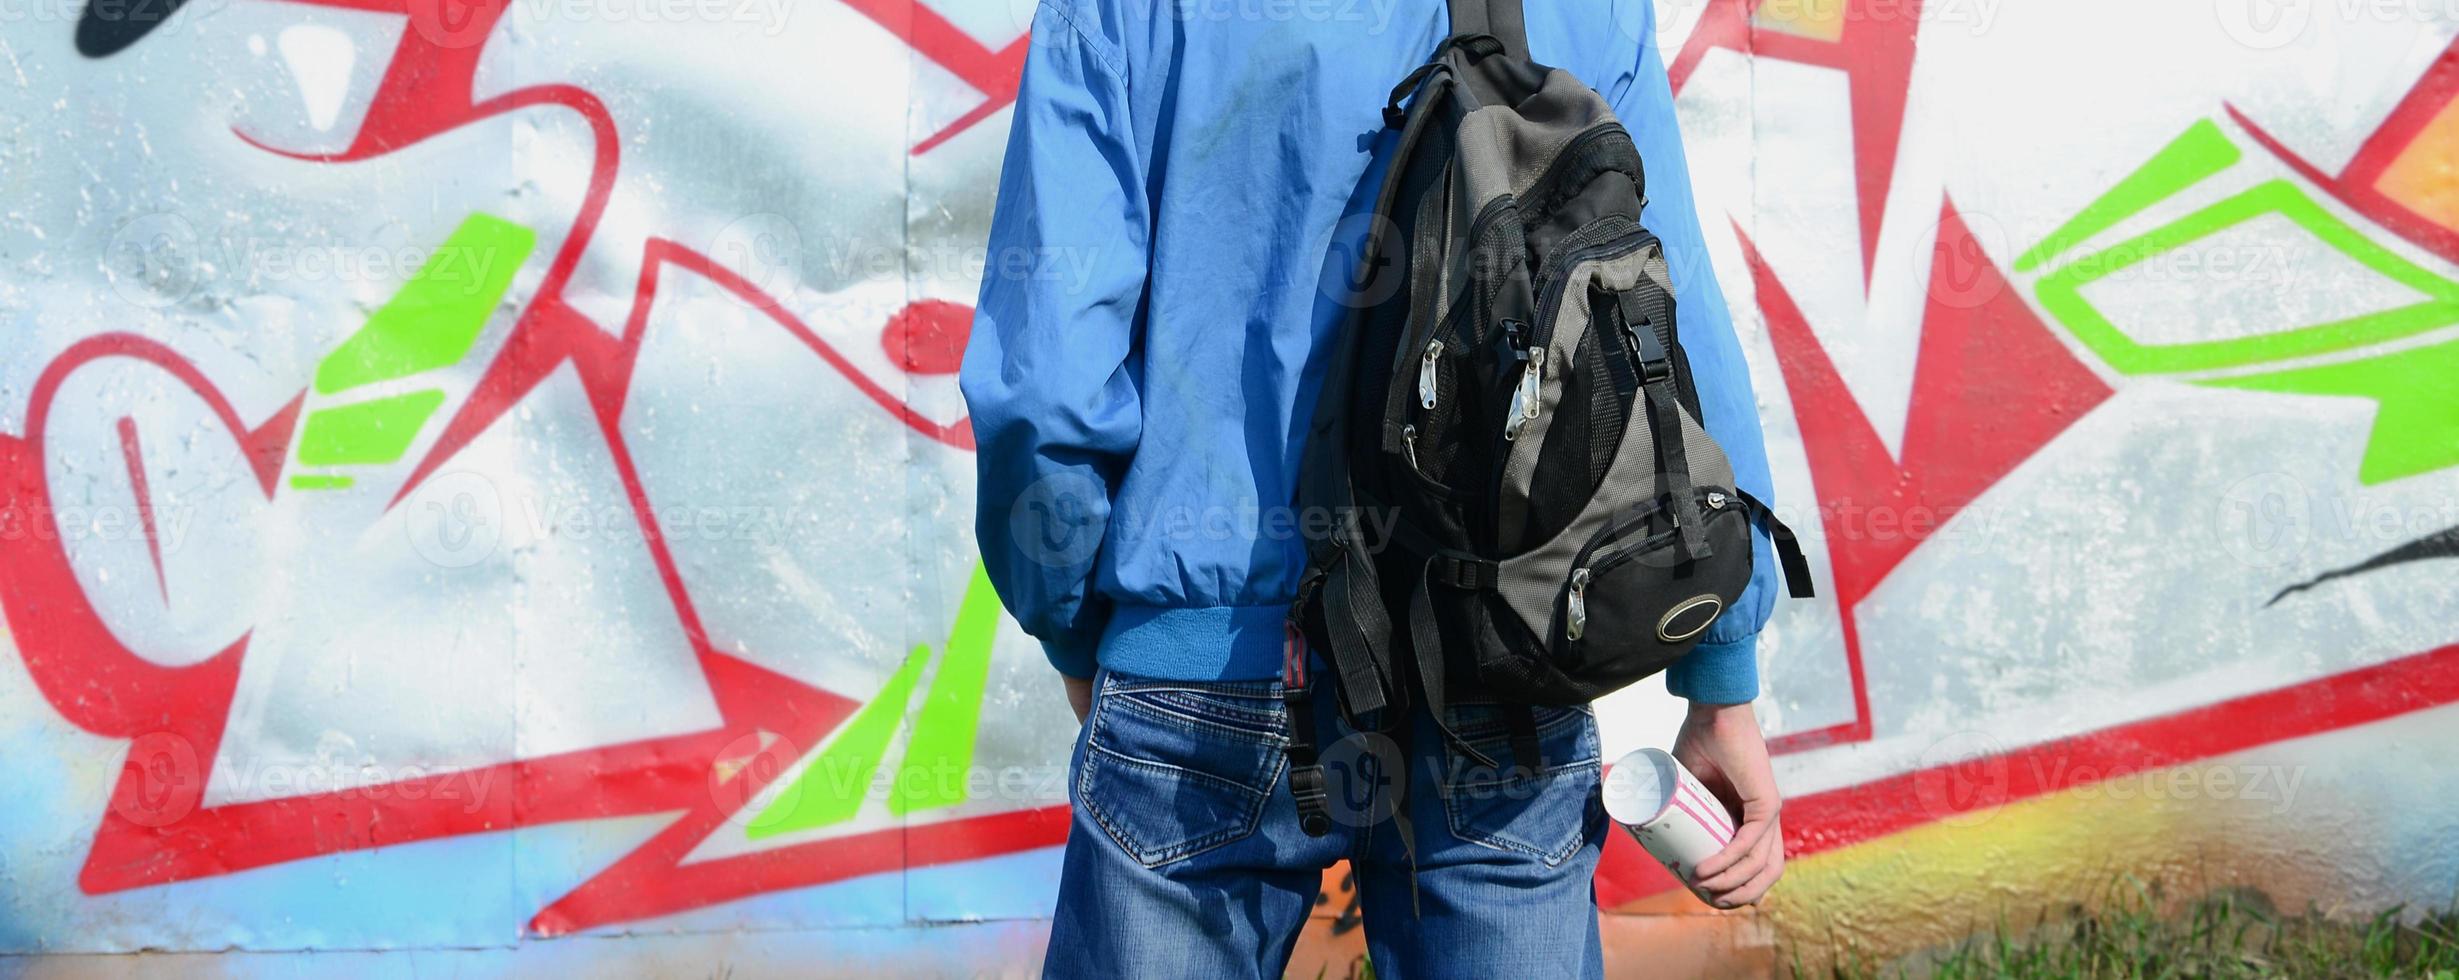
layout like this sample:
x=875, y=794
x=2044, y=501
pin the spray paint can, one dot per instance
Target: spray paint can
x=1667, y=810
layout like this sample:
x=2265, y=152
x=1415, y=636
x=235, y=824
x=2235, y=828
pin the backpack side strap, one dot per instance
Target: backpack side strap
x=1306, y=782
x=1656, y=385
x=1473, y=575
x=1788, y=547
x=1426, y=639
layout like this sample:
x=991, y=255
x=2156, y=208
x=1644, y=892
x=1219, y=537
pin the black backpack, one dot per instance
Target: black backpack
x=1508, y=395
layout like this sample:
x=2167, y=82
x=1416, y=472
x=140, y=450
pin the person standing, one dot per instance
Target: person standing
x=1185, y=192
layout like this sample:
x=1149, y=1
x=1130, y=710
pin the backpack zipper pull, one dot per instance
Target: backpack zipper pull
x=1577, y=622
x=1528, y=399
x=1408, y=444
x=1425, y=375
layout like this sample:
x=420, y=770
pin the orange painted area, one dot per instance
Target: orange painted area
x=1667, y=934
x=1821, y=20
x=1664, y=935
x=2425, y=176
x=1328, y=951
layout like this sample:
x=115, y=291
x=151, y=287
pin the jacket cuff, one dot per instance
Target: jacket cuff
x=1072, y=657
x=1717, y=673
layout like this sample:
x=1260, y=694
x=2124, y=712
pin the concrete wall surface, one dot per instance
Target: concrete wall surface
x=483, y=488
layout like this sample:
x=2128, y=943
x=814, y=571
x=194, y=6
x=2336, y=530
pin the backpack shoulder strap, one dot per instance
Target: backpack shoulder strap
x=1500, y=18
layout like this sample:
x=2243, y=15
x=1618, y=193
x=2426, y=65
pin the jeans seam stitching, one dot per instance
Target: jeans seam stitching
x=1184, y=721
x=1084, y=784
x=1257, y=799
x=1179, y=852
x=1453, y=816
x=1181, y=770
x=1478, y=733
x=1224, y=690
x=1225, y=837
x=1451, y=812
x=1589, y=762
x=1227, y=714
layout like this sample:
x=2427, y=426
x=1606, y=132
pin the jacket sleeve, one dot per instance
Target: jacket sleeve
x=1724, y=667
x=1051, y=371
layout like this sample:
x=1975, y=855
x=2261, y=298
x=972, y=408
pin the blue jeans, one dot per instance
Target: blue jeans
x=1184, y=858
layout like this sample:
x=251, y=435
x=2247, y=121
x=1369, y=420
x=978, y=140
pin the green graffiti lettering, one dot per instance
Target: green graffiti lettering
x=831, y=789
x=938, y=757
x=437, y=315
x=374, y=431
x=2417, y=428
x=431, y=322
x=2201, y=151
x=2061, y=292
x=937, y=760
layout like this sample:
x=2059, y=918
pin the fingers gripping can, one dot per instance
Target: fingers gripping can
x=1667, y=810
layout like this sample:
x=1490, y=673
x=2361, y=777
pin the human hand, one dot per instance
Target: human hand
x=1722, y=746
x=1079, y=695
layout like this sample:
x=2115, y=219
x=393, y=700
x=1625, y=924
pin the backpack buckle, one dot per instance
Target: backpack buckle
x=1657, y=371
x=1464, y=572
x=1306, y=789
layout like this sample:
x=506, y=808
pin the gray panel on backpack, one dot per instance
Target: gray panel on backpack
x=1516, y=398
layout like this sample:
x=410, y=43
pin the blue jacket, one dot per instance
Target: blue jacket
x=1168, y=238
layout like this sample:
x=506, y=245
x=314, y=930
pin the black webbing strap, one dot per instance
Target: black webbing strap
x=1394, y=114
x=1664, y=418
x=1500, y=18
x=1360, y=633
x=1673, y=461
x=1788, y=547
x=1404, y=739
x=1521, y=721
x=1306, y=784
x=1426, y=637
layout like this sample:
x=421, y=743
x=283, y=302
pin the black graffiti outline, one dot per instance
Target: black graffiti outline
x=2442, y=544
x=107, y=27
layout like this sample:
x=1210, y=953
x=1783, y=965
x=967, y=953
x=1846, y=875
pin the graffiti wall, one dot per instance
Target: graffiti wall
x=2123, y=393
x=483, y=484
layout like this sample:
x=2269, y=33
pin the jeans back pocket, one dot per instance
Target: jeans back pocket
x=1546, y=813
x=1172, y=768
